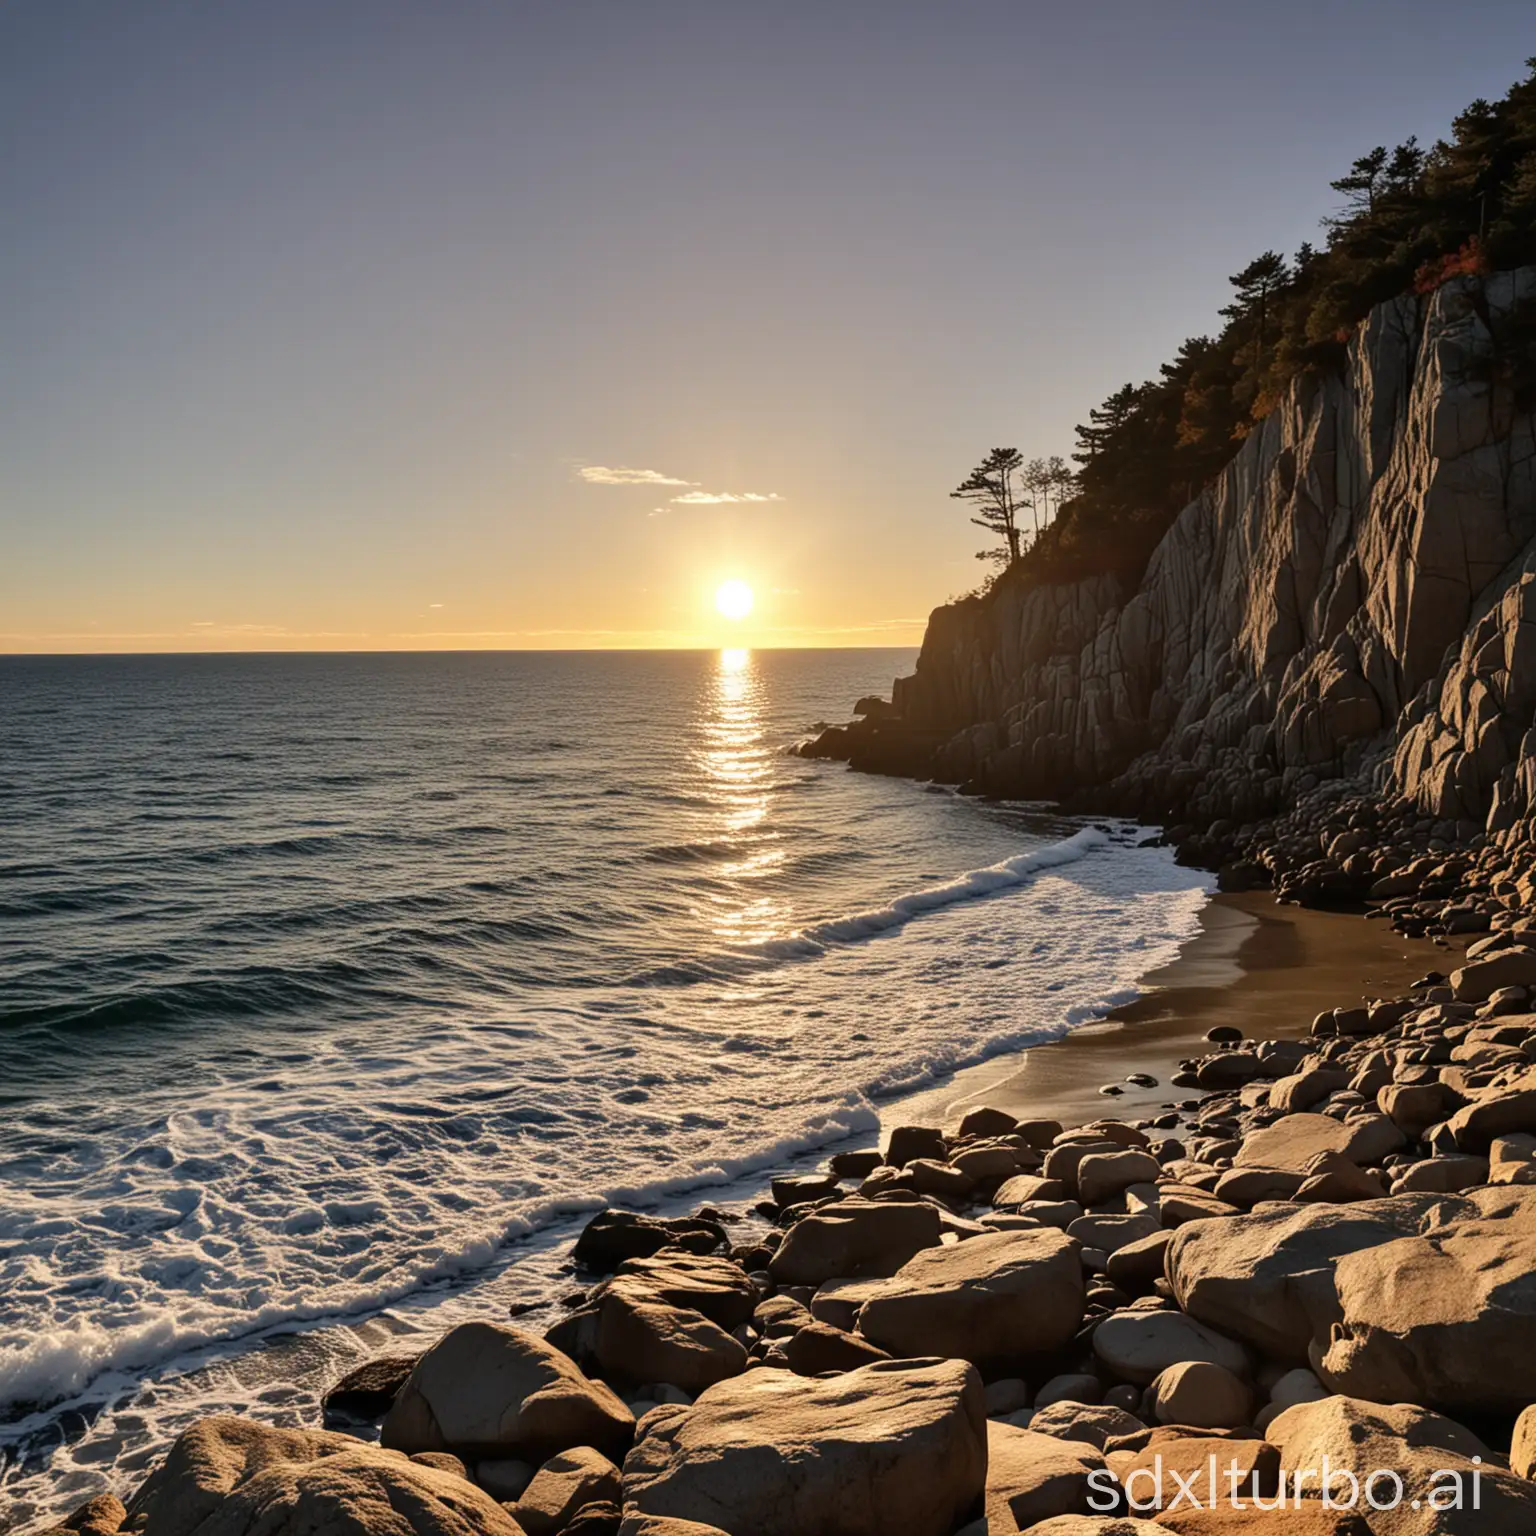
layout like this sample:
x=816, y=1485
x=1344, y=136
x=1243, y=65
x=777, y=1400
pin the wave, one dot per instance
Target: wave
x=56, y=1368
x=967, y=887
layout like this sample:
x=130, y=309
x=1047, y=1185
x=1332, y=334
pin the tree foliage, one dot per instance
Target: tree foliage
x=1411, y=219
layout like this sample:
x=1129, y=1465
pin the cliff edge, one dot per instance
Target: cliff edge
x=1352, y=599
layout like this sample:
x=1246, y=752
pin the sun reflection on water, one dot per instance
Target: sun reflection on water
x=739, y=767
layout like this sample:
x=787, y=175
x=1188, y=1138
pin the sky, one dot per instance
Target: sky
x=380, y=325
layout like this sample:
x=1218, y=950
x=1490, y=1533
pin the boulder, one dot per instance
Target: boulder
x=1108, y=1234
x=232, y=1477
x=819, y=1347
x=1246, y=1187
x=898, y=1448
x=717, y=1287
x=1441, y=1175
x=1304, y=1089
x=639, y=1338
x=1091, y=1423
x=1137, y=1346
x=1414, y=1107
x=1296, y=1140
x=990, y=1300
x=1137, y=1266
x=853, y=1238
x=562, y=1486
x=838, y=1301
x=1199, y=1393
x=1478, y=981
x=1025, y=1188
x=798, y=1188
x=485, y=1389
x=1267, y=1276
x=100, y=1515
x=1070, y=1387
x=1031, y=1477
x=984, y=1121
x=613, y=1236
x=1445, y=1318
x=1168, y=1475
x=931, y=1177
x=367, y=1390
x=913, y=1141
x=1498, y=1113
x=1512, y=1160
x=1423, y=1449
x=1103, y=1174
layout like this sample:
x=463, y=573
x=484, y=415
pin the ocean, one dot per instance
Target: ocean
x=334, y=989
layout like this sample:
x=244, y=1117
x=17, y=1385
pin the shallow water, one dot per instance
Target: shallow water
x=332, y=986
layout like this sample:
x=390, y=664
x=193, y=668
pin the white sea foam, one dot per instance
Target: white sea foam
x=967, y=887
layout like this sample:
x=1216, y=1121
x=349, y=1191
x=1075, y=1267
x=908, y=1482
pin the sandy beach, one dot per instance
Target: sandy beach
x=1255, y=965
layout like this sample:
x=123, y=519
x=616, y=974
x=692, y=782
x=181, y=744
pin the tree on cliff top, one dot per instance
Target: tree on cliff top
x=991, y=492
x=1412, y=219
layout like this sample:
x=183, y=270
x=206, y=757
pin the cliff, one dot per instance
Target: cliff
x=1352, y=598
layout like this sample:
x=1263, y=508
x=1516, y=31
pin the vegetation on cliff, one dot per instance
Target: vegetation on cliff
x=1412, y=218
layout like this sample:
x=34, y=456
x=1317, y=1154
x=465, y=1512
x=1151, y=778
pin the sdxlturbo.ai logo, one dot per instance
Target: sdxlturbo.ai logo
x=1158, y=1487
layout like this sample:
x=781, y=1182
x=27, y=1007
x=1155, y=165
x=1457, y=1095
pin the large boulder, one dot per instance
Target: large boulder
x=486, y=1390
x=1267, y=1276
x=1199, y=1393
x=1445, y=1318
x=1295, y=1141
x=1499, y=1112
x=613, y=1236
x=897, y=1448
x=367, y=1390
x=852, y=1238
x=562, y=1486
x=990, y=1300
x=1433, y=1456
x=231, y=1477
x=1138, y=1346
x=629, y=1334
x=717, y=1287
x=1478, y=981
x=1031, y=1477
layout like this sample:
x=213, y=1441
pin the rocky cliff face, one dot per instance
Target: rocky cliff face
x=1354, y=597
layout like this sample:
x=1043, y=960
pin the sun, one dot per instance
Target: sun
x=733, y=599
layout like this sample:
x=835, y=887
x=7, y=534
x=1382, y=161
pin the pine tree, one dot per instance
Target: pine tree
x=990, y=490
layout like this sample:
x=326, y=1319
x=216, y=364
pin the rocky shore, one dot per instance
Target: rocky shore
x=1315, y=1273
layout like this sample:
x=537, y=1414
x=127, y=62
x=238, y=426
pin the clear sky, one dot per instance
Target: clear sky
x=457, y=324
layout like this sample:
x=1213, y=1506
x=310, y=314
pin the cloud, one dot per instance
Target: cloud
x=722, y=498
x=601, y=474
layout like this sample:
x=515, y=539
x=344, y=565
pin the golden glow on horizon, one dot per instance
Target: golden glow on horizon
x=733, y=599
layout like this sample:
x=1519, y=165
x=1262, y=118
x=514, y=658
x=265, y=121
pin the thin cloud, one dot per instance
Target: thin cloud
x=602, y=474
x=722, y=498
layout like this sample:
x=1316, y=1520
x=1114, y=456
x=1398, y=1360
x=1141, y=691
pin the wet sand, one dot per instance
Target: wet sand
x=1267, y=969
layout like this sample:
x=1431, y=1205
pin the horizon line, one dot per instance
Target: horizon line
x=469, y=650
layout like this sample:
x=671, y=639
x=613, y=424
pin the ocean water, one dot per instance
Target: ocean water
x=333, y=990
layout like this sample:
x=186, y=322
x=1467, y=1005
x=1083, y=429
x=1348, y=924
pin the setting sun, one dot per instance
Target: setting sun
x=733, y=599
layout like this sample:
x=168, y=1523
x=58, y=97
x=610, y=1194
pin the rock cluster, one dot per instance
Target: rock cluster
x=1009, y=1327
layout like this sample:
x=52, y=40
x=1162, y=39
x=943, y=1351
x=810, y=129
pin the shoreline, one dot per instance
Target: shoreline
x=1254, y=964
